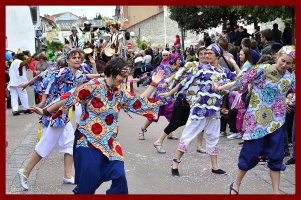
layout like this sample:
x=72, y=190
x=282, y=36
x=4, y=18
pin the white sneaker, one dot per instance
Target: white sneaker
x=68, y=181
x=22, y=182
x=234, y=136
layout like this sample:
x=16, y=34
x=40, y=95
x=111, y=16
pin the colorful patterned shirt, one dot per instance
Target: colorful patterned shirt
x=197, y=89
x=98, y=124
x=168, y=71
x=56, y=84
x=267, y=109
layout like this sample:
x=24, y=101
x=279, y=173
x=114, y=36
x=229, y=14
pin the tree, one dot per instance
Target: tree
x=53, y=45
x=142, y=44
x=200, y=18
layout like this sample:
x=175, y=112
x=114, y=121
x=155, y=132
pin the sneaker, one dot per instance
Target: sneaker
x=219, y=171
x=200, y=150
x=223, y=134
x=68, y=181
x=291, y=161
x=234, y=136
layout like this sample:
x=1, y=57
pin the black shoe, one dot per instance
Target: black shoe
x=286, y=153
x=175, y=172
x=262, y=160
x=219, y=171
x=27, y=111
x=291, y=161
x=16, y=113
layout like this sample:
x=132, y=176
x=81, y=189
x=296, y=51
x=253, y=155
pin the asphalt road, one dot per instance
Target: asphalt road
x=147, y=171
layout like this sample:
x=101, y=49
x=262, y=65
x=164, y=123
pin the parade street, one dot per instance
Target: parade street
x=147, y=171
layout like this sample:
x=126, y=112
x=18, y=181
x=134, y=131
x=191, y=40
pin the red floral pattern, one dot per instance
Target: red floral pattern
x=83, y=94
x=96, y=102
x=137, y=105
x=119, y=150
x=57, y=114
x=132, y=94
x=65, y=96
x=90, y=145
x=152, y=100
x=109, y=119
x=110, y=143
x=80, y=135
x=148, y=115
x=96, y=81
x=109, y=95
x=118, y=106
x=86, y=115
x=96, y=128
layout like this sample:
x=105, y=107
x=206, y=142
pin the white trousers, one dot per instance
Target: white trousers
x=16, y=92
x=61, y=137
x=78, y=112
x=211, y=127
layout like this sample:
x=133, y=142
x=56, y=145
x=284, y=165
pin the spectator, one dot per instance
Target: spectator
x=246, y=42
x=17, y=74
x=287, y=34
x=207, y=39
x=267, y=41
x=223, y=44
x=157, y=58
x=236, y=36
x=177, y=42
x=276, y=33
x=256, y=36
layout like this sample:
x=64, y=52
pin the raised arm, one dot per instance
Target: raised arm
x=156, y=78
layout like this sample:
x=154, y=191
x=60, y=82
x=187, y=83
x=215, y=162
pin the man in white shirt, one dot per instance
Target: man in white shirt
x=18, y=76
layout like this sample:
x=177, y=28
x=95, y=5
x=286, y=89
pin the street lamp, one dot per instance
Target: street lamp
x=132, y=34
x=144, y=38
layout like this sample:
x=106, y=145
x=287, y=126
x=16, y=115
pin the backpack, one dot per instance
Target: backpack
x=127, y=35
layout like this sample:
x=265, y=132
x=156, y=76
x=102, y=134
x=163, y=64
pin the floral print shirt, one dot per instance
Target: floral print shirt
x=58, y=83
x=266, y=110
x=197, y=89
x=168, y=71
x=98, y=125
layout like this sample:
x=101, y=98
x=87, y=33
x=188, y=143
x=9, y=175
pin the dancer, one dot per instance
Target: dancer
x=181, y=109
x=205, y=112
x=56, y=132
x=167, y=103
x=265, y=116
x=98, y=157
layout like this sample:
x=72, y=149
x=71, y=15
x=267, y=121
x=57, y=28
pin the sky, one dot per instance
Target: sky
x=88, y=11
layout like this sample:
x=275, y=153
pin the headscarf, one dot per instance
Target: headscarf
x=215, y=48
x=289, y=50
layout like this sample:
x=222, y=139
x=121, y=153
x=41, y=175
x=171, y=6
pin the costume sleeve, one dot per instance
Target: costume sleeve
x=253, y=75
x=147, y=107
x=74, y=95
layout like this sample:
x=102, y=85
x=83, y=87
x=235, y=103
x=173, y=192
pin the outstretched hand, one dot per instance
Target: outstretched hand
x=166, y=94
x=91, y=59
x=23, y=86
x=157, y=77
x=214, y=86
x=35, y=109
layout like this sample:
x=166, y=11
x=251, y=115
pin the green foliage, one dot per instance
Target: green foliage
x=53, y=45
x=142, y=44
x=200, y=18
